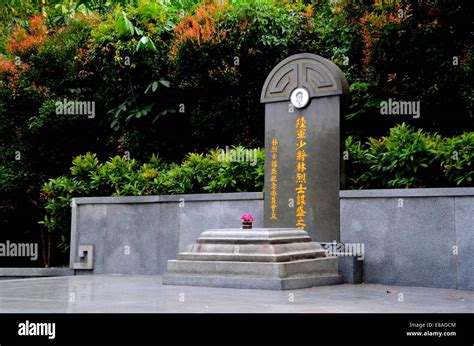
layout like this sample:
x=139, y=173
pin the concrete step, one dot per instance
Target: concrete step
x=277, y=270
x=251, y=282
x=252, y=252
x=287, y=257
x=253, y=236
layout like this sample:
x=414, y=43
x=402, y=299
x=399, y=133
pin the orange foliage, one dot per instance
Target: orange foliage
x=202, y=26
x=40, y=89
x=371, y=27
x=308, y=12
x=244, y=26
x=23, y=41
x=7, y=67
x=10, y=73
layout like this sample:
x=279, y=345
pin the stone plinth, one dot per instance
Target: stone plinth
x=264, y=258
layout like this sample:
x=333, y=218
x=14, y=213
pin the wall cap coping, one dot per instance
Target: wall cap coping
x=232, y=196
x=419, y=192
x=35, y=272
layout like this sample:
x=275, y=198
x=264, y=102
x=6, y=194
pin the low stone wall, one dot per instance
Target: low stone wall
x=137, y=235
x=27, y=273
x=413, y=237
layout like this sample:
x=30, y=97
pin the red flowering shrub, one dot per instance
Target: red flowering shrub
x=23, y=41
x=202, y=77
x=374, y=25
x=10, y=72
x=202, y=25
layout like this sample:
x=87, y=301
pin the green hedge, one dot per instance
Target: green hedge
x=410, y=158
x=179, y=76
x=405, y=158
x=198, y=173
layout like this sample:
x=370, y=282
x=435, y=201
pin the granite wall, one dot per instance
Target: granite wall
x=413, y=237
x=137, y=235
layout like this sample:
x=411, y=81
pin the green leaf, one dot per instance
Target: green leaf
x=123, y=25
x=164, y=82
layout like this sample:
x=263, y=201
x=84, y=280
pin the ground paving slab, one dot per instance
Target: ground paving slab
x=147, y=294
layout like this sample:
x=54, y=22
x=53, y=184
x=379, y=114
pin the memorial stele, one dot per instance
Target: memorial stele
x=303, y=145
x=302, y=182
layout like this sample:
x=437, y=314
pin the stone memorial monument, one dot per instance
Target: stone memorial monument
x=276, y=259
x=302, y=182
x=303, y=145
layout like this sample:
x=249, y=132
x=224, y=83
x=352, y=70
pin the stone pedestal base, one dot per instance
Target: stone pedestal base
x=277, y=259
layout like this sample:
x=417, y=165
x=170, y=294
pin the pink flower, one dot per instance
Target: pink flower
x=247, y=217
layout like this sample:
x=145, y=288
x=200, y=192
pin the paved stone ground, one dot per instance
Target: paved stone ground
x=137, y=293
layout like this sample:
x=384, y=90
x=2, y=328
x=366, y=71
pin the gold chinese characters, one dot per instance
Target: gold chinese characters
x=300, y=188
x=274, y=179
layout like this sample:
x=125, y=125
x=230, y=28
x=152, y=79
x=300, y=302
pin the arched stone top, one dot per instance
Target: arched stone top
x=318, y=75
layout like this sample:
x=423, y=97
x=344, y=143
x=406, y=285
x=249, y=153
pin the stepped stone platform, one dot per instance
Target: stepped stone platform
x=263, y=258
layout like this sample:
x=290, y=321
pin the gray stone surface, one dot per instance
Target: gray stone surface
x=371, y=222
x=464, y=221
x=255, y=235
x=200, y=197
x=90, y=222
x=86, y=256
x=197, y=216
x=413, y=244
x=216, y=214
x=432, y=192
x=252, y=252
x=275, y=258
x=351, y=269
x=253, y=245
x=324, y=82
x=230, y=208
x=117, y=200
x=169, y=232
x=250, y=282
x=424, y=236
x=146, y=294
x=154, y=228
x=318, y=75
x=125, y=239
x=232, y=196
x=264, y=270
x=17, y=273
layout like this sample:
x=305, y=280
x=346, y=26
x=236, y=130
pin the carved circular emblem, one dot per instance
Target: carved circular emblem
x=299, y=98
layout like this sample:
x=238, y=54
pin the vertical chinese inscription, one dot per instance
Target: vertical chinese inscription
x=300, y=188
x=274, y=179
x=309, y=145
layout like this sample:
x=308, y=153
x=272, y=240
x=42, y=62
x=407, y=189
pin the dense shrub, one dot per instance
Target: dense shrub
x=179, y=76
x=410, y=158
x=120, y=176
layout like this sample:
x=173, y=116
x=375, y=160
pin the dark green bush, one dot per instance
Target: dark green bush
x=179, y=76
x=410, y=158
x=457, y=156
x=119, y=176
